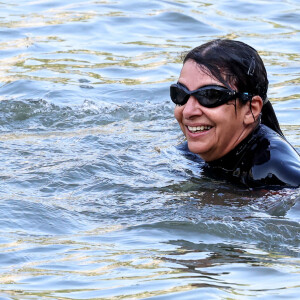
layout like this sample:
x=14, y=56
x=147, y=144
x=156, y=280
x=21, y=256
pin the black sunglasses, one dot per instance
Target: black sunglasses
x=208, y=96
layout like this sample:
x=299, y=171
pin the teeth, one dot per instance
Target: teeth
x=199, y=128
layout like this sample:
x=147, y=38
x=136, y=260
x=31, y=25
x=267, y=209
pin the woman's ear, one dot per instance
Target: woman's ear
x=254, y=107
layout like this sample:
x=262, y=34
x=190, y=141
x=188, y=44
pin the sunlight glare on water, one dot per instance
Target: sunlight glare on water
x=96, y=201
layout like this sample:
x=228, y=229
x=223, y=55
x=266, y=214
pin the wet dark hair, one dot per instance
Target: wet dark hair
x=236, y=63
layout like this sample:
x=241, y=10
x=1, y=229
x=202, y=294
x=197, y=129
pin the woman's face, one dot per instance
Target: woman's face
x=220, y=128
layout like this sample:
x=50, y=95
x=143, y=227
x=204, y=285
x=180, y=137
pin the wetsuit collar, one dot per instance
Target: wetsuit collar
x=236, y=154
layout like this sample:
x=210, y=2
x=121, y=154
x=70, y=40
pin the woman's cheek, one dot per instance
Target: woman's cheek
x=178, y=113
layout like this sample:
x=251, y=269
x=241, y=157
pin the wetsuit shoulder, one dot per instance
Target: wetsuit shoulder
x=263, y=160
x=275, y=161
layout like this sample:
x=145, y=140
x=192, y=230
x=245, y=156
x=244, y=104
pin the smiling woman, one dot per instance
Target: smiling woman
x=227, y=119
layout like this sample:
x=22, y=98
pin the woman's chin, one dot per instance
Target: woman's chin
x=200, y=150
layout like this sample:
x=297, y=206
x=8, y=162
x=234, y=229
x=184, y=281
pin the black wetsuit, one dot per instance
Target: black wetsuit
x=263, y=159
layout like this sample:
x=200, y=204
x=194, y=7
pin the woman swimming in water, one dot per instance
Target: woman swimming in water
x=227, y=119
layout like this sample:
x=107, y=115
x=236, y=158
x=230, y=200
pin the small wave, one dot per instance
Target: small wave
x=37, y=218
x=281, y=236
x=43, y=115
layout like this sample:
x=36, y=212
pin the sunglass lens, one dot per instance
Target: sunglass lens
x=178, y=95
x=211, y=97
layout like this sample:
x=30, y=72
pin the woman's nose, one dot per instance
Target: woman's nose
x=192, y=108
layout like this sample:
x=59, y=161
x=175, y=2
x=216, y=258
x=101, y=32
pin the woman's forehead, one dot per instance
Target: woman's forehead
x=194, y=76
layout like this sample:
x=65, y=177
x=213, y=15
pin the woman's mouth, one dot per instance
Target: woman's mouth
x=195, y=129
